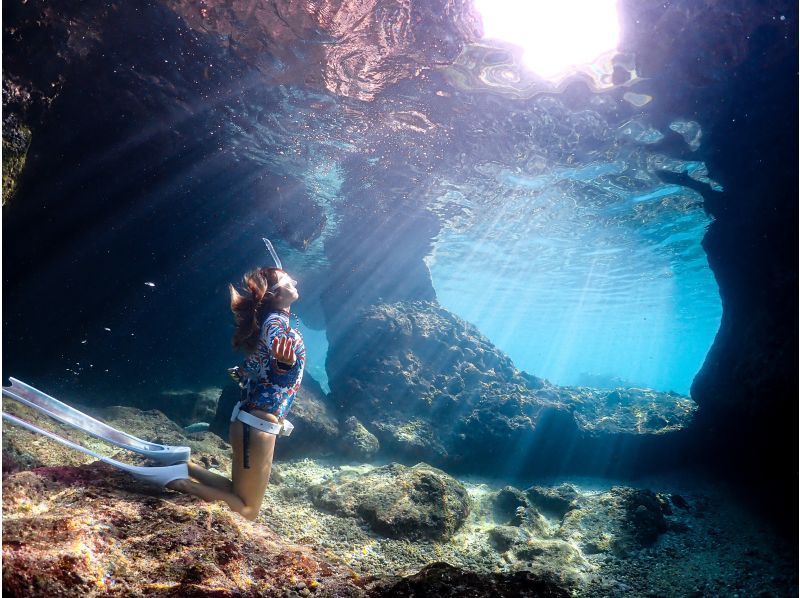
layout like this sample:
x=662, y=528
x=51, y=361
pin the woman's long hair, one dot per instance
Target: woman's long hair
x=250, y=305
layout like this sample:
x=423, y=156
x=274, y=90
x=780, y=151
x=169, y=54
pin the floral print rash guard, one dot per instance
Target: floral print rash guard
x=271, y=388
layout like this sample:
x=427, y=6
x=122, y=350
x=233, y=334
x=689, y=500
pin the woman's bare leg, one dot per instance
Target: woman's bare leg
x=209, y=478
x=250, y=484
x=246, y=492
x=210, y=494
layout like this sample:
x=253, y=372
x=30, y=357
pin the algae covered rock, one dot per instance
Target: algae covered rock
x=554, y=501
x=187, y=407
x=316, y=424
x=536, y=550
x=23, y=449
x=16, y=141
x=632, y=410
x=357, y=441
x=503, y=537
x=419, y=502
x=620, y=521
x=92, y=530
x=552, y=554
x=508, y=505
x=431, y=387
x=443, y=580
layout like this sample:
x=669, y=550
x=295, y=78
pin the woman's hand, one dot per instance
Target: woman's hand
x=283, y=350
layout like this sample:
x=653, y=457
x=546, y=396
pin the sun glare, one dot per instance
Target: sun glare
x=555, y=35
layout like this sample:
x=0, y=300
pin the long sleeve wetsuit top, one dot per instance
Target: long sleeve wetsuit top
x=271, y=387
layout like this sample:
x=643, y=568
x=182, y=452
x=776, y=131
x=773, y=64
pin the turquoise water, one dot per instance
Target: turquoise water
x=563, y=247
x=584, y=292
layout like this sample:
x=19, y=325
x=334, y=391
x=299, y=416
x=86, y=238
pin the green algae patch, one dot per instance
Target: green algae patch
x=16, y=141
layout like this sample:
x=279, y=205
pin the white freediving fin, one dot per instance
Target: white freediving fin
x=32, y=397
x=160, y=476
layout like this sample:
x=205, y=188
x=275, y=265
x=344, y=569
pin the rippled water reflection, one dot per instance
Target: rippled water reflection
x=559, y=239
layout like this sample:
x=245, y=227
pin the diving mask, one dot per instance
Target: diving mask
x=284, y=280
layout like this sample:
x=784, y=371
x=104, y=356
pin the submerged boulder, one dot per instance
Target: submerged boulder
x=92, y=530
x=185, y=407
x=620, y=521
x=316, y=425
x=357, y=441
x=431, y=387
x=23, y=449
x=419, y=502
x=443, y=580
x=555, y=501
x=508, y=505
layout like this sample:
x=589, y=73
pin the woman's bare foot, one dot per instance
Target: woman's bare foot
x=179, y=485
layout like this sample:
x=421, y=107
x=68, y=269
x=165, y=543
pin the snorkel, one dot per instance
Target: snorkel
x=283, y=277
x=274, y=255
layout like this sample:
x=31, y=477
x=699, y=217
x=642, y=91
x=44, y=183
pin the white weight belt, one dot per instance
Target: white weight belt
x=284, y=429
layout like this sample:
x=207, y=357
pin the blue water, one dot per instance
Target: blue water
x=562, y=246
x=580, y=291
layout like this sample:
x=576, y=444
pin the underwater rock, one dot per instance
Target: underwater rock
x=555, y=501
x=397, y=501
x=91, y=530
x=631, y=410
x=25, y=450
x=16, y=141
x=417, y=377
x=30, y=450
x=536, y=550
x=679, y=501
x=358, y=442
x=413, y=438
x=185, y=406
x=503, y=537
x=28, y=91
x=316, y=426
x=508, y=504
x=431, y=387
x=220, y=424
x=444, y=580
x=645, y=513
x=545, y=555
x=620, y=521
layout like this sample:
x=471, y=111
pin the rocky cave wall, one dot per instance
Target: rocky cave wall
x=75, y=89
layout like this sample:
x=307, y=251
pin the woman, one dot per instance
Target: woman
x=270, y=377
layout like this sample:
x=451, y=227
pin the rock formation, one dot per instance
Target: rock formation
x=429, y=386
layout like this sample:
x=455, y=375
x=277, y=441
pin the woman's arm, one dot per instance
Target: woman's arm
x=285, y=364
